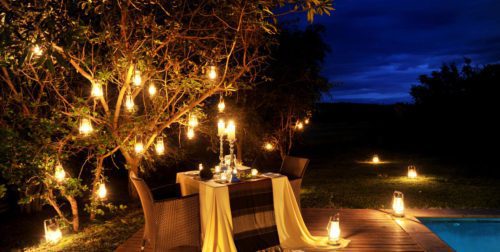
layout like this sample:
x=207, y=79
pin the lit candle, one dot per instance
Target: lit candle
x=200, y=167
x=221, y=127
x=217, y=169
x=255, y=172
x=223, y=176
x=300, y=125
x=231, y=131
x=375, y=159
x=398, y=204
x=306, y=121
x=221, y=106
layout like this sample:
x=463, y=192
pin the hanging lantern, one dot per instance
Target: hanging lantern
x=129, y=103
x=299, y=125
x=138, y=146
x=190, y=133
x=334, y=230
x=159, y=146
x=37, y=50
x=193, y=121
x=96, y=89
x=53, y=233
x=375, y=159
x=212, y=73
x=152, y=90
x=412, y=172
x=137, y=79
x=101, y=191
x=268, y=146
x=398, y=204
x=221, y=106
x=59, y=173
x=85, y=126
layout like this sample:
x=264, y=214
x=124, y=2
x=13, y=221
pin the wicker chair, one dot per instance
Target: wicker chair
x=294, y=168
x=172, y=224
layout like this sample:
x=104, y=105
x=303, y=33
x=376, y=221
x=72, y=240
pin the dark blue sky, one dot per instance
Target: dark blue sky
x=379, y=48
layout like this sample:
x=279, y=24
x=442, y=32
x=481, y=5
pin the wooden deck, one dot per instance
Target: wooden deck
x=368, y=230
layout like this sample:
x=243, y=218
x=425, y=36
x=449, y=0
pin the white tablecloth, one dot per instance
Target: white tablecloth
x=216, y=219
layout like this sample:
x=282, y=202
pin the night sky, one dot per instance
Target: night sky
x=379, y=48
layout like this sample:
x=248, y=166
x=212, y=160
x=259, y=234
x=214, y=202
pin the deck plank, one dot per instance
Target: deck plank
x=368, y=230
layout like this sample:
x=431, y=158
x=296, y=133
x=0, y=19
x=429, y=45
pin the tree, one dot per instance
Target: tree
x=455, y=108
x=279, y=106
x=127, y=72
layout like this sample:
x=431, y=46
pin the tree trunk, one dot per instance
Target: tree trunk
x=74, y=212
x=133, y=167
x=53, y=203
x=97, y=176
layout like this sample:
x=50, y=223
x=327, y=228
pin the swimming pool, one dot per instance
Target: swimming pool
x=467, y=234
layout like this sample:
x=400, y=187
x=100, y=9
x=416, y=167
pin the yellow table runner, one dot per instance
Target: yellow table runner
x=216, y=219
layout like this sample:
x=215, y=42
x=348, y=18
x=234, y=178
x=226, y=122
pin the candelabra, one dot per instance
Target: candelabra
x=232, y=163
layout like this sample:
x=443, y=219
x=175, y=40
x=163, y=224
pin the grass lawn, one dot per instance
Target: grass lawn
x=99, y=236
x=364, y=186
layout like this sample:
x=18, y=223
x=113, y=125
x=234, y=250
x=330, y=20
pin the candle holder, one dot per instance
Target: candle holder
x=232, y=165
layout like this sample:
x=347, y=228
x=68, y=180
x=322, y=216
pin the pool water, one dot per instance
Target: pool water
x=467, y=234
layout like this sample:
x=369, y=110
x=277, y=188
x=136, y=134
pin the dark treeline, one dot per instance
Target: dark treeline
x=454, y=119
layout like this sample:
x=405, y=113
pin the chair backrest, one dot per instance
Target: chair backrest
x=294, y=167
x=147, y=206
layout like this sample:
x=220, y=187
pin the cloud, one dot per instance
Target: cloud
x=379, y=48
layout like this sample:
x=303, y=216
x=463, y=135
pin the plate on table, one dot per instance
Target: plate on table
x=192, y=173
x=270, y=175
x=220, y=181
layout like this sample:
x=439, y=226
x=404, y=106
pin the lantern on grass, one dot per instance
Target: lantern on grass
x=159, y=146
x=190, y=133
x=152, y=90
x=59, y=173
x=129, y=103
x=53, y=233
x=398, y=204
x=334, y=230
x=212, y=72
x=102, y=191
x=85, y=127
x=137, y=79
x=96, y=89
x=375, y=159
x=412, y=172
x=37, y=50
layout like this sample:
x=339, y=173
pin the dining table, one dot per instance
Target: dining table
x=228, y=211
